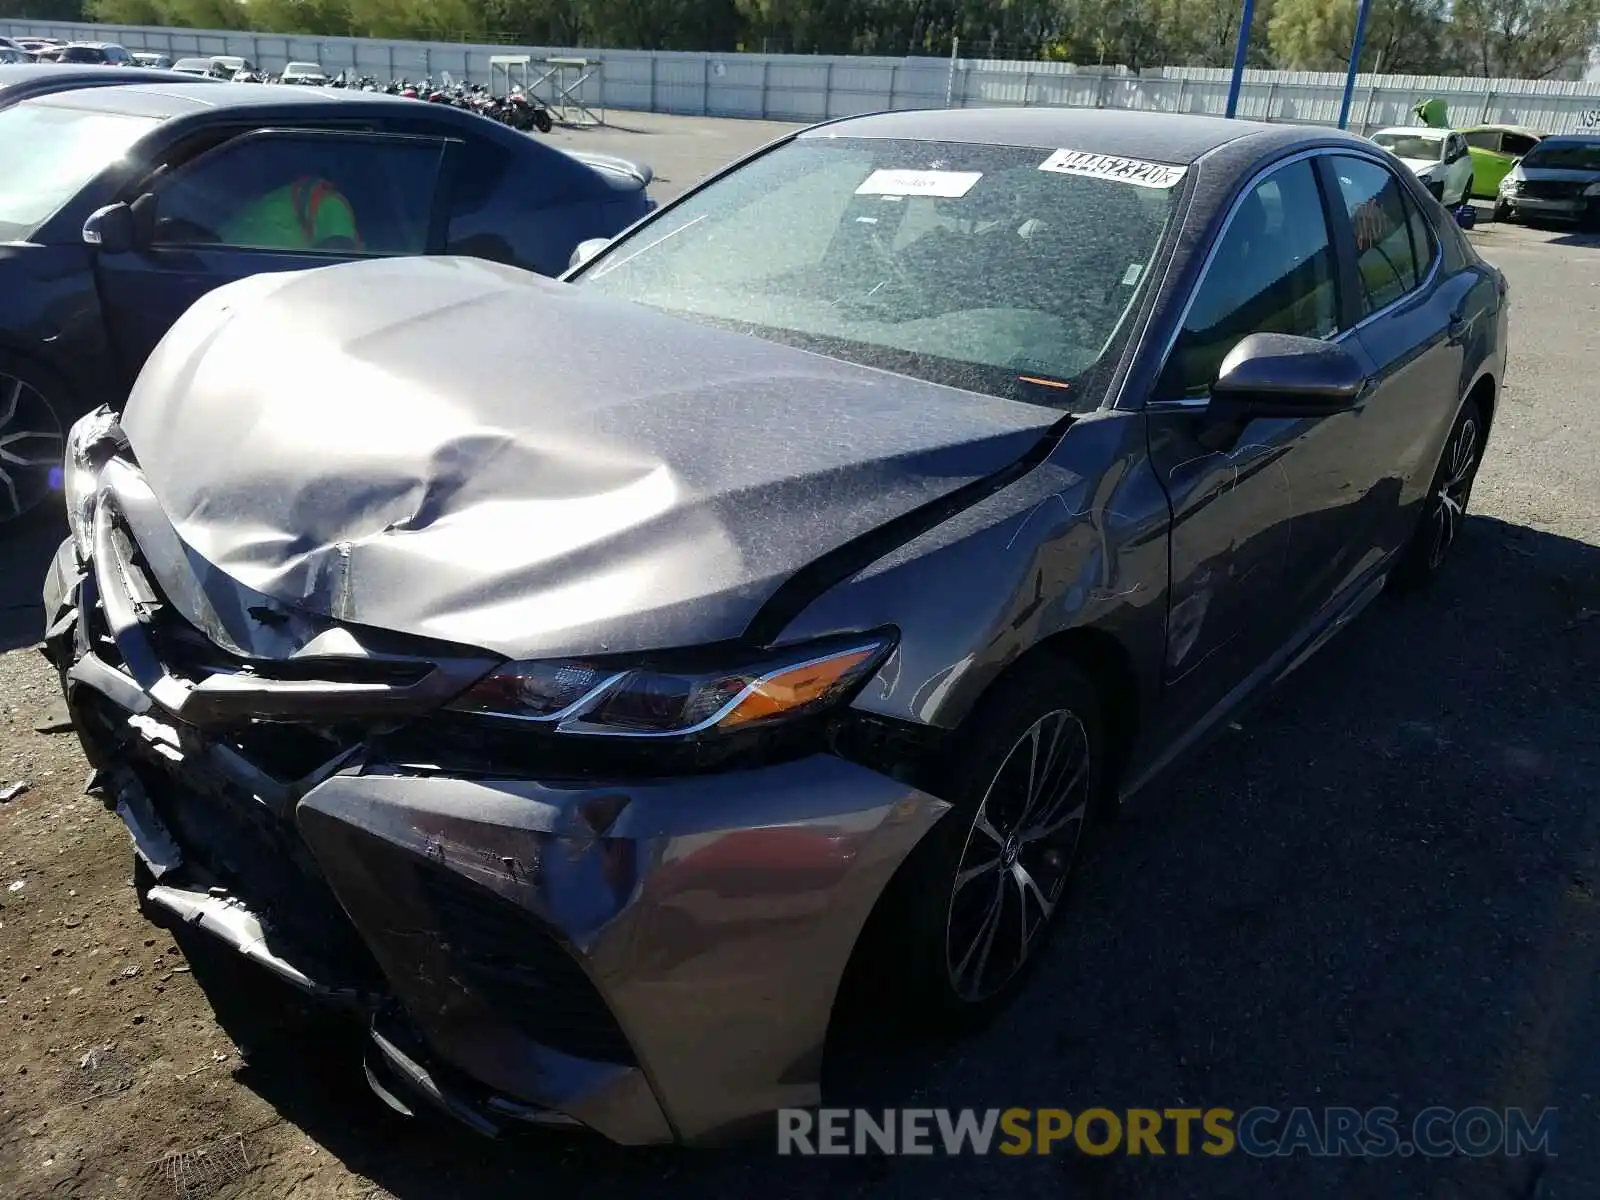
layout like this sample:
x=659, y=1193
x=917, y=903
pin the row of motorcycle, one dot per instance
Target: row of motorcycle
x=517, y=108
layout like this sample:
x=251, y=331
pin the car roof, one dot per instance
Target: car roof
x=1415, y=130
x=185, y=95
x=1164, y=137
x=21, y=80
x=1574, y=139
x=1525, y=130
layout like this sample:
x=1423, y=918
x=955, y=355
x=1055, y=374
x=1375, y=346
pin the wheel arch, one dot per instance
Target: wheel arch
x=1108, y=664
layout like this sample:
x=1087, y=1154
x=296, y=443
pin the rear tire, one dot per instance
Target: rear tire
x=970, y=911
x=1445, y=509
x=542, y=121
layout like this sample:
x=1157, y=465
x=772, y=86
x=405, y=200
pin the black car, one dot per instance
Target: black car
x=101, y=53
x=24, y=81
x=134, y=216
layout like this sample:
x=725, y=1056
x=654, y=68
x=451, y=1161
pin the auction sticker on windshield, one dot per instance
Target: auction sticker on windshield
x=942, y=184
x=1110, y=166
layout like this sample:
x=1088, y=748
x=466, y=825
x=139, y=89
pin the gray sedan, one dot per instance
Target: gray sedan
x=586, y=677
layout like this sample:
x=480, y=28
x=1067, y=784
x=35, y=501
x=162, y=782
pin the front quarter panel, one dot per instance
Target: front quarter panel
x=1079, y=542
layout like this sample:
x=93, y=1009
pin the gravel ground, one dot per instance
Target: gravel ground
x=1379, y=890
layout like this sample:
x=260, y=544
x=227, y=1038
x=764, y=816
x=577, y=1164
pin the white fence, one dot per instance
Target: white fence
x=797, y=87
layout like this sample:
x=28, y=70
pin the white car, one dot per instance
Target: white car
x=308, y=73
x=1438, y=157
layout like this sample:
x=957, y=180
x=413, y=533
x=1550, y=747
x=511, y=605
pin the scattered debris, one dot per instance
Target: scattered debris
x=55, y=719
x=12, y=790
x=16, y=886
x=195, y=1174
x=100, y=1071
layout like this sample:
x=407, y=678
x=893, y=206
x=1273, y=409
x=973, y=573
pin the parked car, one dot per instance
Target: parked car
x=1559, y=179
x=227, y=66
x=37, y=45
x=23, y=82
x=790, y=586
x=306, y=73
x=1493, y=149
x=108, y=53
x=149, y=58
x=123, y=205
x=23, y=54
x=1438, y=157
x=193, y=66
x=10, y=56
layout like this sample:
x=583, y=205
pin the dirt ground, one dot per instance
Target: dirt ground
x=114, y=1059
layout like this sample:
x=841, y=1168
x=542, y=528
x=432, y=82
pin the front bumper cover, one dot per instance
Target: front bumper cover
x=656, y=960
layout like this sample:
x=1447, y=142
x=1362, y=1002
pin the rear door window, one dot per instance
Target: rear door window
x=1376, y=207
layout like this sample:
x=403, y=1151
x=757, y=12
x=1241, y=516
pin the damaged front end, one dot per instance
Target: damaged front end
x=536, y=922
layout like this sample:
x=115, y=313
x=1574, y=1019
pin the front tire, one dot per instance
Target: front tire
x=976, y=903
x=33, y=430
x=1445, y=509
x=1501, y=212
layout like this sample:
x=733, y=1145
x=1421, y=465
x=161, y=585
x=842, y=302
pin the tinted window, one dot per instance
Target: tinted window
x=1273, y=272
x=1518, y=144
x=304, y=192
x=1483, y=139
x=1422, y=239
x=993, y=268
x=1373, y=201
x=1565, y=156
x=83, y=54
x=1423, y=146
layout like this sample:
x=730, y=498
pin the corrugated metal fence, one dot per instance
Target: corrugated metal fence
x=797, y=87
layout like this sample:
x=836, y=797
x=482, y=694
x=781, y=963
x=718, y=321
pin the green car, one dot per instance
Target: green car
x=1493, y=149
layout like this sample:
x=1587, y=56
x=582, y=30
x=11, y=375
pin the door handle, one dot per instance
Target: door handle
x=1456, y=330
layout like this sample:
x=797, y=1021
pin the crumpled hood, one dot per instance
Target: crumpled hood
x=460, y=450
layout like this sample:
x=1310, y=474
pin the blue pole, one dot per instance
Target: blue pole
x=1355, y=61
x=1239, y=50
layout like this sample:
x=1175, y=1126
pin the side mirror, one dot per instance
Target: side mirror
x=119, y=228
x=110, y=228
x=1280, y=375
x=586, y=250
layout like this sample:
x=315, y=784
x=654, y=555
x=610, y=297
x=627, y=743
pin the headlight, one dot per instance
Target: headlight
x=652, y=701
x=1508, y=185
x=86, y=452
x=1592, y=190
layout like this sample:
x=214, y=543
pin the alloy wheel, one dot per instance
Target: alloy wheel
x=31, y=446
x=1018, y=855
x=1454, y=489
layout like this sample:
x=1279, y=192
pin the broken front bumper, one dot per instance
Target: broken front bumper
x=654, y=959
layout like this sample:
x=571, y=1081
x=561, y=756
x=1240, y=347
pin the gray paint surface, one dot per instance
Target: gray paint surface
x=516, y=466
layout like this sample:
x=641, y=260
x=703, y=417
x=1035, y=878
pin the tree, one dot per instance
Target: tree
x=1523, y=39
x=1403, y=36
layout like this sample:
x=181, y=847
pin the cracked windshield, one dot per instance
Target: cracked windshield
x=996, y=269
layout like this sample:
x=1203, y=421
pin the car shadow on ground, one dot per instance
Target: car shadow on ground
x=26, y=548
x=1378, y=888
